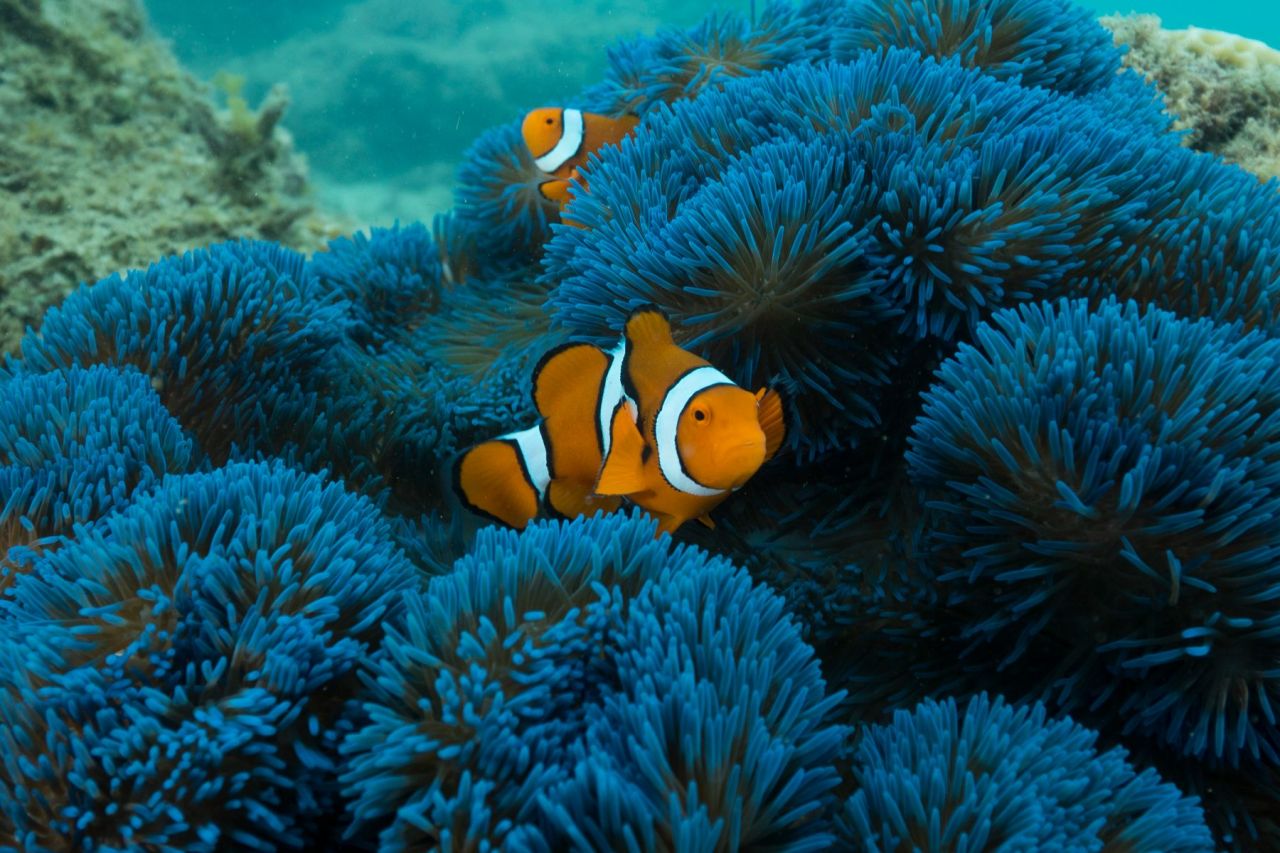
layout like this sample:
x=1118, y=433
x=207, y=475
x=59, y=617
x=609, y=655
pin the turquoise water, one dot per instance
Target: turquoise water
x=386, y=96
x=1248, y=18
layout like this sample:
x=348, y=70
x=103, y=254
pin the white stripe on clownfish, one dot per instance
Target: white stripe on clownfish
x=666, y=424
x=567, y=145
x=532, y=446
x=612, y=393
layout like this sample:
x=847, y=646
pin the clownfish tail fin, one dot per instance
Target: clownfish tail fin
x=772, y=422
x=498, y=480
x=647, y=325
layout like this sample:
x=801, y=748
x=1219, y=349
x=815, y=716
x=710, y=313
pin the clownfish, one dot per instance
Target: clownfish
x=646, y=421
x=560, y=140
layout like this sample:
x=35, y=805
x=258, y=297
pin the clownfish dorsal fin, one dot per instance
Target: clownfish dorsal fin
x=648, y=326
x=772, y=424
x=623, y=470
x=567, y=378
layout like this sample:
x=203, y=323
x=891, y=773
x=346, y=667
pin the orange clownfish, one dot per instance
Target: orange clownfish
x=647, y=421
x=560, y=140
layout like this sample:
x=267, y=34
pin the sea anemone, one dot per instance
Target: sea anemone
x=397, y=413
x=1204, y=243
x=1006, y=778
x=677, y=63
x=718, y=734
x=777, y=250
x=75, y=445
x=226, y=335
x=804, y=227
x=499, y=201
x=480, y=697
x=1103, y=483
x=390, y=279
x=1053, y=44
x=537, y=690
x=840, y=542
x=88, y=765
x=224, y=610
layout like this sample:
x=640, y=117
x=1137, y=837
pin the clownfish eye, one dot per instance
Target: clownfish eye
x=551, y=121
x=699, y=415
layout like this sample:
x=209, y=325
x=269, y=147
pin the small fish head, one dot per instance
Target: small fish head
x=542, y=129
x=719, y=436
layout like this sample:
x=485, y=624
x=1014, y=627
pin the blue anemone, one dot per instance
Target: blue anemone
x=954, y=194
x=439, y=383
x=226, y=611
x=839, y=541
x=999, y=777
x=1054, y=44
x=390, y=279
x=87, y=765
x=719, y=732
x=534, y=688
x=777, y=250
x=677, y=63
x=1103, y=482
x=481, y=696
x=499, y=201
x=77, y=444
x=225, y=334
x=804, y=226
x=1243, y=809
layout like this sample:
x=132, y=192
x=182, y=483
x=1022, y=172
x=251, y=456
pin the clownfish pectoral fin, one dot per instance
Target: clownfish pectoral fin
x=623, y=470
x=706, y=521
x=491, y=480
x=668, y=524
x=557, y=190
x=572, y=499
x=647, y=326
x=772, y=423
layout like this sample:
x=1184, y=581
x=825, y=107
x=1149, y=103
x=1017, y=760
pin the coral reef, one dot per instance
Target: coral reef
x=115, y=156
x=1223, y=89
x=1027, y=341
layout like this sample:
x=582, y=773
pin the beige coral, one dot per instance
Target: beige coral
x=1225, y=48
x=112, y=156
x=1223, y=89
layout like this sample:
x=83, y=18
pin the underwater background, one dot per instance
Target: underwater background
x=387, y=95
x=1011, y=582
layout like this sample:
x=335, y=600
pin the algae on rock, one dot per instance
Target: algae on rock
x=112, y=155
x=1224, y=89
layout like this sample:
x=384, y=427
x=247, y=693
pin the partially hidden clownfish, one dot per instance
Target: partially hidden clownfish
x=560, y=140
x=646, y=421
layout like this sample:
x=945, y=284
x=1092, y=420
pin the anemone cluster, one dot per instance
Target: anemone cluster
x=1010, y=584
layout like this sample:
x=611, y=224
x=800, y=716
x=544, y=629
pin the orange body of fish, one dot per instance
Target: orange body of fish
x=646, y=421
x=560, y=140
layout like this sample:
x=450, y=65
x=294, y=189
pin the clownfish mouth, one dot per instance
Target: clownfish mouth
x=744, y=460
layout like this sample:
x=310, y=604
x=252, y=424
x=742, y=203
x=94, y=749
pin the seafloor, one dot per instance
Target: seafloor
x=1011, y=583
